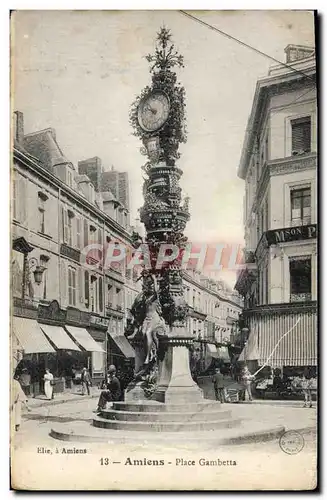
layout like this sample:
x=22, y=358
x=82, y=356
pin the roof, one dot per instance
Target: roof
x=82, y=178
x=43, y=145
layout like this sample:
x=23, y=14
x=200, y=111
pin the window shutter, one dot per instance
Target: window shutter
x=87, y=288
x=86, y=233
x=22, y=200
x=78, y=232
x=100, y=294
x=80, y=286
x=14, y=197
x=63, y=282
x=64, y=221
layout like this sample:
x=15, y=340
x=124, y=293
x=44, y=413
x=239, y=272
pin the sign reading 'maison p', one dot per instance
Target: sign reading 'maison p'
x=291, y=234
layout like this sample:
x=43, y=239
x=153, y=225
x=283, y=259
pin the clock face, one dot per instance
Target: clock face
x=153, y=111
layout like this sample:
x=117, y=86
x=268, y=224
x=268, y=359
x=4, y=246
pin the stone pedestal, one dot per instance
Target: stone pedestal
x=175, y=382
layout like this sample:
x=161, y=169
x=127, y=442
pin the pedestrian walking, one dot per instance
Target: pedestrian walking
x=306, y=384
x=18, y=399
x=48, y=384
x=111, y=389
x=219, y=386
x=86, y=381
x=25, y=381
x=247, y=381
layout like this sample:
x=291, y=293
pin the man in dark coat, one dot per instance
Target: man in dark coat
x=218, y=383
x=111, y=389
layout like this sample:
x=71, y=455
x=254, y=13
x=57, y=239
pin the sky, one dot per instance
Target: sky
x=79, y=72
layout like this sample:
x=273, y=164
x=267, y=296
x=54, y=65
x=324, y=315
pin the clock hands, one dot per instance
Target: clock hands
x=148, y=108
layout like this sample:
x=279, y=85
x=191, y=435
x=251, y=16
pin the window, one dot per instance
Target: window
x=301, y=135
x=70, y=216
x=94, y=293
x=41, y=211
x=71, y=286
x=300, y=279
x=300, y=207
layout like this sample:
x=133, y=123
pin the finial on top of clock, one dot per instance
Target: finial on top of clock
x=165, y=58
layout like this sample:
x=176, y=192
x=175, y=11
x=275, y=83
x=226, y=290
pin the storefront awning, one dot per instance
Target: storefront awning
x=30, y=336
x=83, y=337
x=123, y=345
x=59, y=337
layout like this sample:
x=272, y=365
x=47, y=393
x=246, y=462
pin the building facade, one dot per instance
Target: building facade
x=214, y=312
x=279, y=167
x=64, y=298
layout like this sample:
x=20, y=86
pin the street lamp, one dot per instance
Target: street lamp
x=39, y=270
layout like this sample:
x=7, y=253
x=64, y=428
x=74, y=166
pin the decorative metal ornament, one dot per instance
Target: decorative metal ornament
x=153, y=111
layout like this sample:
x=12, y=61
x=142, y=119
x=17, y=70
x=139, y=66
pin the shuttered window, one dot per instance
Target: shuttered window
x=72, y=286
x=301, y=135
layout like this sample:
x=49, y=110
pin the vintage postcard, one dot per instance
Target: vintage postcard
x=164, y=250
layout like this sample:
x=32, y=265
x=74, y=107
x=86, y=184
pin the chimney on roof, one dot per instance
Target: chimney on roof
x=18, y=127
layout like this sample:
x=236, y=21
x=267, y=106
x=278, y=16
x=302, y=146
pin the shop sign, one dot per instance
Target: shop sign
x=98, y=321
x=292, y=234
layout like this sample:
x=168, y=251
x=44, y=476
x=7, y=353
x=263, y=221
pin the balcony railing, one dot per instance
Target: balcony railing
x=300, y=297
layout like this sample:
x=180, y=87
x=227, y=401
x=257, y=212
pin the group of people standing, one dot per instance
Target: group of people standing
x=219, y=384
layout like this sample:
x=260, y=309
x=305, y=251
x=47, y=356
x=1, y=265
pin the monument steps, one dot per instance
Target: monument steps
x=155, y=406
x=151, y=426
x=250, y=432
x=121, y=415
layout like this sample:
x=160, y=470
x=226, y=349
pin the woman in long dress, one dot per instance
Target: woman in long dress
x=18, y=398
x=48, y=387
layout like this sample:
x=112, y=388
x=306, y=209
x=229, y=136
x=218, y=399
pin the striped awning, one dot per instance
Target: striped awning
x=82, y=336
x=29, y=336
x=297, y=348
x=59, y=337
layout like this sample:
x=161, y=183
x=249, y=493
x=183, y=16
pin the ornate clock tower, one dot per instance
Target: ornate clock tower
x=158, y=118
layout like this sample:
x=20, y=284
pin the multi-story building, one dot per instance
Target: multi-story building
x=65, y=312
x=214, y=311
x=279, y=164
